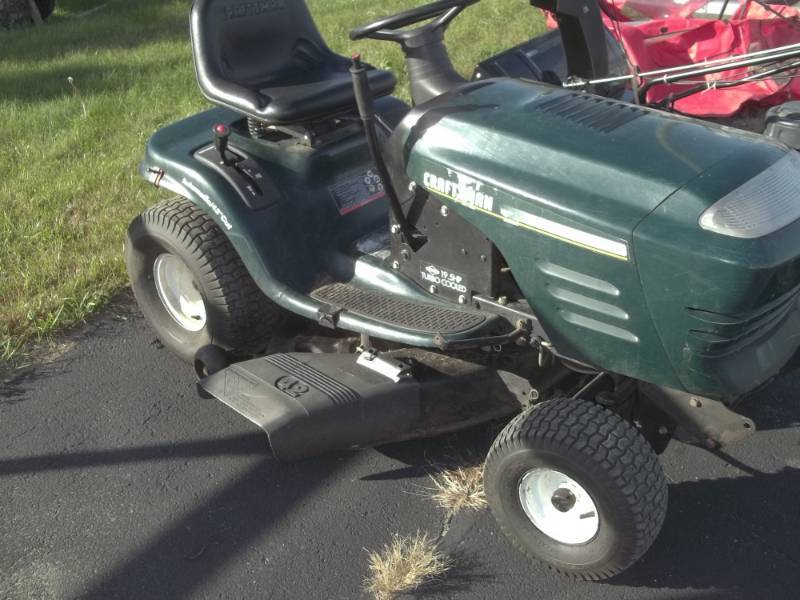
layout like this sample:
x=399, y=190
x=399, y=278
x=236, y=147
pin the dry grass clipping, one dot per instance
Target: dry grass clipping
x=459, y=488
x=404, y=565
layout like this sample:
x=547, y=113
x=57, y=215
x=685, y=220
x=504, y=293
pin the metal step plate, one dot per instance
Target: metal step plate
x=416, y=316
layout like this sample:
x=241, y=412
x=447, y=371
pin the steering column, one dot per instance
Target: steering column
x=430, y=71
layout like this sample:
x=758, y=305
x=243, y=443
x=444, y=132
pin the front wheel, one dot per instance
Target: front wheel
x=576, y=486
x=191, y=284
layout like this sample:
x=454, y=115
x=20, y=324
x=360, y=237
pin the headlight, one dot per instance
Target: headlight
x=766, y=203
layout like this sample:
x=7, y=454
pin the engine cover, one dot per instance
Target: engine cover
x=594, y=204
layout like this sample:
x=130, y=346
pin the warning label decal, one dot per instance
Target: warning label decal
x=356, y=189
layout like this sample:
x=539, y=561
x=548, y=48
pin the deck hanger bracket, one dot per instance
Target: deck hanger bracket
x=521, y=336
x=391, y=368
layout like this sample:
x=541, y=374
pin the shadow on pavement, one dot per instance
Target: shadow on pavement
x=17, y=383
x=733, y=533
x=241, y=445
x=774, y=407
x=720, y=535
x=427, y=456
x=18, y=386
x=177, y=562
x=467, y=571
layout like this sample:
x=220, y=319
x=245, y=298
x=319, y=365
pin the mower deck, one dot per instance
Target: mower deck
x=312, y=403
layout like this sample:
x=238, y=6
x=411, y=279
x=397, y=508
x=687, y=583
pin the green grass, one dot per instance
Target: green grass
x=69, y=151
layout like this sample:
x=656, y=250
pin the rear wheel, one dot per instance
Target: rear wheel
x=191, y=284
x=576, y=486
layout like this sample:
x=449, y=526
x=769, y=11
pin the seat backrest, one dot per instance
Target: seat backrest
x=256, y=43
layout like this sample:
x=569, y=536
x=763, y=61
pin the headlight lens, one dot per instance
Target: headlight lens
x=766, y=203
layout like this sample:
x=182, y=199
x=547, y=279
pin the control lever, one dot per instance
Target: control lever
x=222, y=134
x=366, y=110
x=231, y=160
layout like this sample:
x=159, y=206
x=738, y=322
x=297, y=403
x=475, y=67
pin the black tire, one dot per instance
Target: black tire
x=46, y=7
x=239, y=318
x=605, y=455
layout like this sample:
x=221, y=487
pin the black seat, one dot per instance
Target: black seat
x=267, y=59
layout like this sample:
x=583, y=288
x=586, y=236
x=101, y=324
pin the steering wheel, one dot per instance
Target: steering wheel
x=390, y=28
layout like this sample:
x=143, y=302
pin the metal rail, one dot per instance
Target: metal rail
x=715, y=69
x=729, y=62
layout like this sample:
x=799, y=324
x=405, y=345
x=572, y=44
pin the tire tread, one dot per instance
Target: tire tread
x=612, y=444
x=249, y=315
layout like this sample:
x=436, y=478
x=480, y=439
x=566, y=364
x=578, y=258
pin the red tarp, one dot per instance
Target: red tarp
x=673, y=37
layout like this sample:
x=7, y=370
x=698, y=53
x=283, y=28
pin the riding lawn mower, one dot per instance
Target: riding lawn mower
x=602, y=275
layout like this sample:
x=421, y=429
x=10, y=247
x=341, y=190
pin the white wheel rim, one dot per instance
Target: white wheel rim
x=179, y=293
x=558, y=506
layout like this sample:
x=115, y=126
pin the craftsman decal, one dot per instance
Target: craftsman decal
x=253, y=9
x=465, y=190
x=476, y=195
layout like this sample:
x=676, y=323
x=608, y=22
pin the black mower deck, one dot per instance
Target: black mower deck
x=312, y=403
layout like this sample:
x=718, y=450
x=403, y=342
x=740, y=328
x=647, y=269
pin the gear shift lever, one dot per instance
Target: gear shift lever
x=221, y=135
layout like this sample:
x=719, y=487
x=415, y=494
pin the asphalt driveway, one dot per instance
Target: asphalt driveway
x=117, y=481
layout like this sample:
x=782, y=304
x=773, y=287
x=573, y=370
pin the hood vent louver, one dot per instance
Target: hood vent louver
x=594, y=112
x=715, y=335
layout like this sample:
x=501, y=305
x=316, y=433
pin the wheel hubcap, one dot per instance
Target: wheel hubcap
x=563, y=500
x=179, y=293
x=558, y=506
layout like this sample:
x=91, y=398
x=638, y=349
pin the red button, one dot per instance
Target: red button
x=221, y=129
